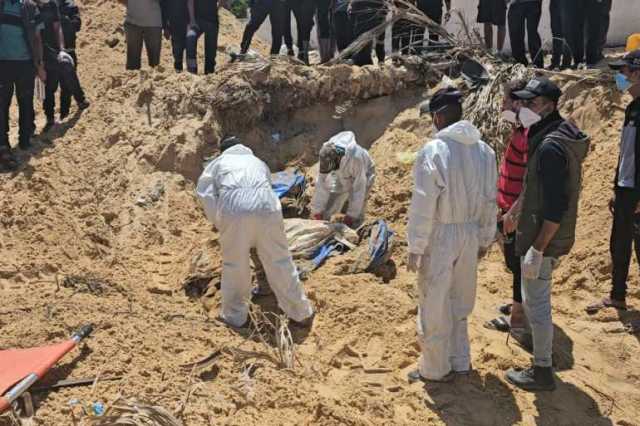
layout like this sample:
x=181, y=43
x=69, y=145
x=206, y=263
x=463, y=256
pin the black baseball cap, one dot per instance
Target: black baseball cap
x=441, y=99
x=539, y=86
x=228, y=142
x=630, y=59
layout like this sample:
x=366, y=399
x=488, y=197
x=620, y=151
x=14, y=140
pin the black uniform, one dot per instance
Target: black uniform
x=366, y=16
x=177, y=18
x=561, y=48
x=592, y=15
x=626, y=222
x=525, y=14
x=342, y=24
x=58, y=73
x=303, y=11
x=206, y=15
x=260, y=9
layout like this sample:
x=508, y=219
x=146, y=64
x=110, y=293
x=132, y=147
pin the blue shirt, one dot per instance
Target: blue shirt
x=13, y=40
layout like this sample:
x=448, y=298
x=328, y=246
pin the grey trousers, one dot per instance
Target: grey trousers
x=536, y=300
x=152, y=38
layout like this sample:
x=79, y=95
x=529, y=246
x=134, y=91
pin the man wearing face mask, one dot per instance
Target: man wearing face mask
x=625, y=204
x=510, y=185
x=546, y=228
x=345, y=177
x=452, y=223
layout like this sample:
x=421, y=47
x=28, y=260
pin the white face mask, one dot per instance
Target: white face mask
x=509, y=116
x=528, y=118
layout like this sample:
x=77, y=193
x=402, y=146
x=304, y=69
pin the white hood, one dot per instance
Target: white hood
x=238, y=149
x=463, y=132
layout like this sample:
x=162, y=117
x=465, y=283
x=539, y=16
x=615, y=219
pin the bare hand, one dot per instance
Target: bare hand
x=509, y=224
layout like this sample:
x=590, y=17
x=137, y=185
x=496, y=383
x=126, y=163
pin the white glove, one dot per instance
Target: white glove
x=413, y=262
x=532, y=264
x=64, y=57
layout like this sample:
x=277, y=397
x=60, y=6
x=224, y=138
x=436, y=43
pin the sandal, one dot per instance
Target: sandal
x=505, y=309
x=498, y=324
x=603, y=304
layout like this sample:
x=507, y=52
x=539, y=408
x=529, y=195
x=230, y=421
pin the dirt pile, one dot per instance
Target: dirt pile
x=108, y=198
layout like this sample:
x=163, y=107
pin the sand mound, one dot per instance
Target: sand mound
x=110, y=196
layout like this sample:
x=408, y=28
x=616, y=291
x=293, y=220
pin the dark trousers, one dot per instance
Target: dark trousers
x=18, y=76
x=343, y=28
x=59, y=75
x=303, y=11
x=136, y=36
x=513, y=263
x=366, y=18
x=401, y=37
x=433, y=10
x=322, y=10
x=561, y=48
x=521, y=16
x=178, y=42
x=66, y=92
x=624, y=234
x=590, y=17
x=260, y=9
x=210, y=30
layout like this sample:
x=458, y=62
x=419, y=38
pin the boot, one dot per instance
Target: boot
x=533, y=378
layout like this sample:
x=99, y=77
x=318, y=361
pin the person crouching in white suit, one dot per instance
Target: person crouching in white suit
x=235, y=190
x=346, y=175
x=452, y=223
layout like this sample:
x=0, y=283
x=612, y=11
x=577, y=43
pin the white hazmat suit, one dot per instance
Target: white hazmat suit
x=452, y=216
x=235, y=190
x=350, y=183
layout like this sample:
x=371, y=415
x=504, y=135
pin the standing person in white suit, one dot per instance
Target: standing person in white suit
x=235, y=190
x=452, y=223
x=346, y=175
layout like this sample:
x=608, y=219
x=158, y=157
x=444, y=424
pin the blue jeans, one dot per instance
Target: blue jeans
x=536, y=300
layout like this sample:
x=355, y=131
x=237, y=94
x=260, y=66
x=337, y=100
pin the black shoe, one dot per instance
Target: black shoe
x=48, y=126
x=83, y=105
x=7, y=160
x=305, y=323
x=178, y=66
x=532, y=379
x=415, y=376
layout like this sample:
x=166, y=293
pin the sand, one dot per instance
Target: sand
x=109, y=195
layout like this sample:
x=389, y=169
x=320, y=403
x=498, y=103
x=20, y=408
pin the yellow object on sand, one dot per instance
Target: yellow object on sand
x=406, y=157
x=633, y=42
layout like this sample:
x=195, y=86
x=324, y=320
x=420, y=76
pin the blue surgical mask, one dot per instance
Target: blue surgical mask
x=622, y=82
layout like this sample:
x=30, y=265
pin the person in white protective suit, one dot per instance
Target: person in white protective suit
x=346, y=175
x=452, y=223
x=235, y=190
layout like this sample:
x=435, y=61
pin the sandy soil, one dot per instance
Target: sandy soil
x=109, y=195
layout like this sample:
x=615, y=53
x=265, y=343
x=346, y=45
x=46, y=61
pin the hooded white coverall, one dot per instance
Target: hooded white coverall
x=351, y=182
x=452, y=216
x=235, y=190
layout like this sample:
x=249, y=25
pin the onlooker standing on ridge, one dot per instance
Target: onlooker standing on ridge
x=561, y=58
x=490, y=13
x=525, y=14
x=177, y=19
x=59, y=64
x=433, y=10
x=366, y=15
x=260, y=9
x=203, y=19
x=592, y=15
x=625, y=204
x=20, y=60
x=143, y=25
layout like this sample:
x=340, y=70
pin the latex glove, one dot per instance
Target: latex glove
x=348, y=220
x=413, y=262
x=64, y=57
x=532, y=264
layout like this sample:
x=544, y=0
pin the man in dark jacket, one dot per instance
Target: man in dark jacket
x=525, y=14
x=546, y=228
x=625, y=204
x=20, y=59
x=58, y=62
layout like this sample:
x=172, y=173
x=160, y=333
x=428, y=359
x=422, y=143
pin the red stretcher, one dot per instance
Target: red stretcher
x=21, y=368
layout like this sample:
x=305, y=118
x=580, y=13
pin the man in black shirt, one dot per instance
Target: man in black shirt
x=625, y=204
x=59, y=64
x=203, y=19
x=546, y=227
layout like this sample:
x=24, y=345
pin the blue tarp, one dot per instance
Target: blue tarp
x=379, y=244
x=283, y=182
